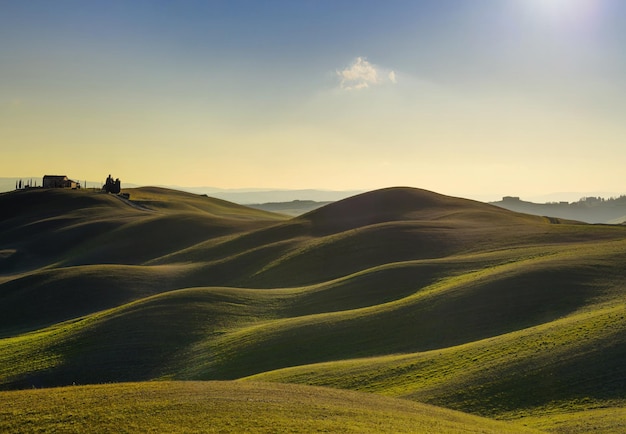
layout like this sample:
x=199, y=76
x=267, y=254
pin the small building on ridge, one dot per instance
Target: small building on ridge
x=59, y=181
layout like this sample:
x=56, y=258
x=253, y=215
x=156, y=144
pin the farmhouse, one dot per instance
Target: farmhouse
x=59, y=181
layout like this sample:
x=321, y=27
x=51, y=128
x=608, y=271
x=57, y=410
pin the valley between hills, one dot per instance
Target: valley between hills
x=396, y=310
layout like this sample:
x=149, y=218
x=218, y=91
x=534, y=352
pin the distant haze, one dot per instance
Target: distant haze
x=247, y=196
x=255, y=196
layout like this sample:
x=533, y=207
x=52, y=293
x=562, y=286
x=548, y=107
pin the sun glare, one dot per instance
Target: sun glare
x=567, y=11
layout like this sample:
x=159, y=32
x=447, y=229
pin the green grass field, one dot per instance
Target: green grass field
x=216, y=407
x=400, y=293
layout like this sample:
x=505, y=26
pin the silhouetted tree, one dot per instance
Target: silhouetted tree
x=111, y=186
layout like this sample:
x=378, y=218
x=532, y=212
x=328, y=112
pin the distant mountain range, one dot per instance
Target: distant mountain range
x=589, y=209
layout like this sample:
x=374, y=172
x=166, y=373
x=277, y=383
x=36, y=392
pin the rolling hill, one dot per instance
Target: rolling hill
x=214, y=407
x=399, y=292
x=44, y=227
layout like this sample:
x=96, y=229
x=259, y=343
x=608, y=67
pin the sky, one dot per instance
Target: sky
x=472, y=98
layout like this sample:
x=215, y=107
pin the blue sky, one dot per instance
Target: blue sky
x=464, y=97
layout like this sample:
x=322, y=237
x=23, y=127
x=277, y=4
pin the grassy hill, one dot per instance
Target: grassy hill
x=48, y=227
x=184, y=407
x=399, y=292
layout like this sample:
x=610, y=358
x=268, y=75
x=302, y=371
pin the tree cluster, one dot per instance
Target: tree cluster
x=111, y=186
x=25, y=184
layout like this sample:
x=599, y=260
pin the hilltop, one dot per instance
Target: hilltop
x=400, y=292
x=79, y=227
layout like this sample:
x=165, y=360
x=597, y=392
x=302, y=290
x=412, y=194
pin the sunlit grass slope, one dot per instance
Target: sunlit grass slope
x=49, y=296
x=451, y=311
x=399, y=292
x=547, y=375
x=577, y=356
x=577, y=418
x=227, y=333
x=173, y=201
x=227, y=407
x=372, y=229
x=142, y=340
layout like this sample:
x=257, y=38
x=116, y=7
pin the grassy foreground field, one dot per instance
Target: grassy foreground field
x=400, y=293
x=213, y=407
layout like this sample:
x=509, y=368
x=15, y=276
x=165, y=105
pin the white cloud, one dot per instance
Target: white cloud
x=361, y=74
